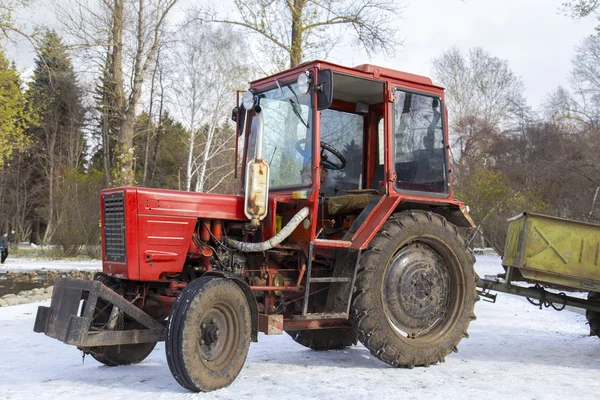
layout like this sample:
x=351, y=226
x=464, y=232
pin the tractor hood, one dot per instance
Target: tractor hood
x=154, y=227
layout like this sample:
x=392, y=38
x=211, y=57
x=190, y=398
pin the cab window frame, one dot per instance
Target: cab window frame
x=446, y=167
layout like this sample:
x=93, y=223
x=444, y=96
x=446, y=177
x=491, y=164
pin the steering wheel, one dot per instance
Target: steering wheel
x=325, y=148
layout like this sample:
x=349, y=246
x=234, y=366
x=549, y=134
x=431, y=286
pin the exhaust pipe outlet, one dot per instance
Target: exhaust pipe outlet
x=275, y=240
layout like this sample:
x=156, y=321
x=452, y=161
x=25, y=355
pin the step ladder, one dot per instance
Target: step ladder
x=347, y=280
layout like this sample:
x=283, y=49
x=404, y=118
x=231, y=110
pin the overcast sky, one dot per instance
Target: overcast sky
x=536, y=39
x=532, y=35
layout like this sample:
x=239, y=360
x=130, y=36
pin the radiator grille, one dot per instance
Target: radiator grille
x=114, y=227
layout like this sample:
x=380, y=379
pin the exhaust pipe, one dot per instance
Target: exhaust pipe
x=275, y=240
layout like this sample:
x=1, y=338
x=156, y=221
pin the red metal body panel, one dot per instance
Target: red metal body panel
x=159, y=226
x=130, y=268
x=185, y=204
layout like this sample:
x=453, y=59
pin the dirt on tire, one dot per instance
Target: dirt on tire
x=196, y=364
x=398, y=331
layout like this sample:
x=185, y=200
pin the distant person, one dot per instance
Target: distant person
x=3, y=247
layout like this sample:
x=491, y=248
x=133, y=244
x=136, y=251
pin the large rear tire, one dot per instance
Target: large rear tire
x=415, y=290
x=208, y=334
x=325, y=339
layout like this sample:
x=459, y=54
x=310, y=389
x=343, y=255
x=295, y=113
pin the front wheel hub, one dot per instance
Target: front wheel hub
x=212, y=330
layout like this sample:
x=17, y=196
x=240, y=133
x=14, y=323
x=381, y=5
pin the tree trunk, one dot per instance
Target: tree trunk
x=106, y=146
x=193, y=132
x=126, y=139
x=296, y=44
x=150, y=126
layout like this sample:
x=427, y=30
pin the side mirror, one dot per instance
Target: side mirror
x=324, y=89
x=238, y=115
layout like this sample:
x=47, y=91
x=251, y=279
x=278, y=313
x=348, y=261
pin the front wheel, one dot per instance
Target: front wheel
x=415, y=290
x=208, y=334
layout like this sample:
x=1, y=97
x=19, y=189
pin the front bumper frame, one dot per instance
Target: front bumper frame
x=68, y=321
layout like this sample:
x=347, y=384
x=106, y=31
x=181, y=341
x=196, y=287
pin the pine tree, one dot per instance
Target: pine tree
x=60, y=143
x=109, y=120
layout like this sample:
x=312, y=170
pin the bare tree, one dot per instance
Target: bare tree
x=133, y=31
x=483, y=96
x=9, y=27
x=579, y=109
x=585, y=81
x=211, y=68
x=305, y=28
x=479, y=84
x=582, y=8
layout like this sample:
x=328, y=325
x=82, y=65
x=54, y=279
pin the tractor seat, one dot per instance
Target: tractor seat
x=355, y=199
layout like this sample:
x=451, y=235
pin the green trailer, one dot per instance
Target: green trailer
x=552, y=256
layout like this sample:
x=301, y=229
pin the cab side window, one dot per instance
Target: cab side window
x=419, y=149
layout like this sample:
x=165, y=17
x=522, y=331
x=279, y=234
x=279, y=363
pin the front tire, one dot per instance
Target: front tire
x=208, y=334
x=415, y=290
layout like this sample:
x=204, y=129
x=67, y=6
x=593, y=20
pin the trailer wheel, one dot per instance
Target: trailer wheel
x=208, y=334
x=593, y=317
x=325, y=339
x=415, y=290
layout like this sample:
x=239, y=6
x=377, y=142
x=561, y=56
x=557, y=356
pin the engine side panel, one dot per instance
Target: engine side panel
x=154, y=227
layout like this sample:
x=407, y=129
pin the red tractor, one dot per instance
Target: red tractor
x=345, y=229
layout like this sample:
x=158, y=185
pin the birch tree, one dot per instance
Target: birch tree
x=211, y=69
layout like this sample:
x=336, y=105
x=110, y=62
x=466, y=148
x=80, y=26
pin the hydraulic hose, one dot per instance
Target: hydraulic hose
x=275, y=240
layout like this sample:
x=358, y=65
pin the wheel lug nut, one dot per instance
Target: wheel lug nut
x=212, y=321
x=203, y=326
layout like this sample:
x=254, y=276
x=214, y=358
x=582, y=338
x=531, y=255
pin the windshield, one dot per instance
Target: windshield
x=287, y=139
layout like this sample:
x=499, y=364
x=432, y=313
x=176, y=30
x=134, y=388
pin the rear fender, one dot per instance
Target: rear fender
x=249, y=297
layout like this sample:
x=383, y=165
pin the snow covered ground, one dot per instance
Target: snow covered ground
x=515, y=352
x=28, y=265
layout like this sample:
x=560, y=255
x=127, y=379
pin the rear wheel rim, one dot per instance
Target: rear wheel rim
x=420, y=294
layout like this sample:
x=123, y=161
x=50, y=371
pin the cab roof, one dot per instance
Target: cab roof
x=373, y=71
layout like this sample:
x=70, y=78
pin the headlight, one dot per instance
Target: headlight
x=248, y=100
x=303, y=83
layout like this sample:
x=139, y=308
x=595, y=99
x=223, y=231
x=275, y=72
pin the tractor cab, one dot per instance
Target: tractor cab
x=344, y=139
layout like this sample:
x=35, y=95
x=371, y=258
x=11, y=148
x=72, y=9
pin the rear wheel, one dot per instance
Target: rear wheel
x=593, y=317
x=208, y=334
x=325, y=339
x=415, y=290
